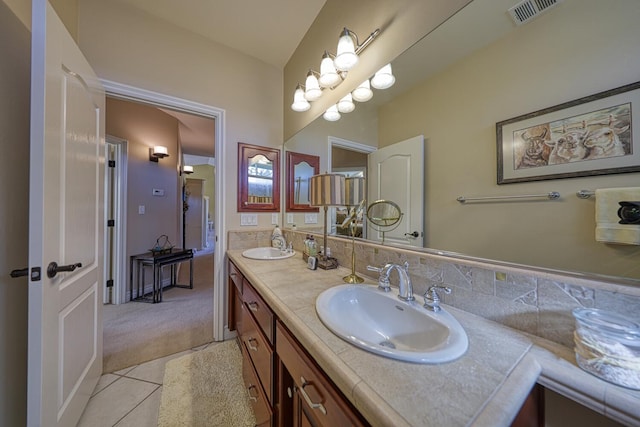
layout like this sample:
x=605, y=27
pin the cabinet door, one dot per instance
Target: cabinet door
x=257, y=399
x=235, y=297
x=317, y=401
x=258, y=178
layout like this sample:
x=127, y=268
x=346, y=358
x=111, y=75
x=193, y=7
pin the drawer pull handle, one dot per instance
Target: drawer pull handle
x=254, y=398
x=252, y=347
x=253, y=306
x=307, y=399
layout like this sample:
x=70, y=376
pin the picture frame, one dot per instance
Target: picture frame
x=589, y=136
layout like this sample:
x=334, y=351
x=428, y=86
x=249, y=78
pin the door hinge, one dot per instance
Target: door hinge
x=112, y=163
x=110, y=283
x=111, y=223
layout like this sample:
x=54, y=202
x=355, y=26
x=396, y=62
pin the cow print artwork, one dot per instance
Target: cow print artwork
x=595, y=135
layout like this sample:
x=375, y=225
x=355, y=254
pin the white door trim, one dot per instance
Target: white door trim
x=334, y=141
x=122, y=91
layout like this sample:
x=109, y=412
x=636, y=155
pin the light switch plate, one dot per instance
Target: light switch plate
x=311, y=218
x=289, y=218
x=248, y=219
x=158, y=192
x=141, y=210
x=274, y=218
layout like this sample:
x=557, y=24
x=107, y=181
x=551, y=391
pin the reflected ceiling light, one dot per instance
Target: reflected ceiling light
x=346, y=105
x=312, y=90
x=188, y=169
x=329, y=77
x=362, y=93
x=332, y=114
x=158, y=152
x=299, y=101
x=383, y=78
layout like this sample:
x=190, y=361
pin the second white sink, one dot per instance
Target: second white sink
x=379, y=322
x=267, y=253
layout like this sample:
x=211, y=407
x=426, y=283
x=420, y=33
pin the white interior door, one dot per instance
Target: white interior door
x=396, y=173
x=65, y=225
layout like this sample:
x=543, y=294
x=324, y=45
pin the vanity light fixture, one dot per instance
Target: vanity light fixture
x=158, y=152
x=384, y=78
x=187, y=169
x=299, y=101
x=333, y=69
x=332, y=114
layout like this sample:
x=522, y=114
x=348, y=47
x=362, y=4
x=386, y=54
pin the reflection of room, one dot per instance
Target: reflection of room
x=350, y=164
x=198, y=198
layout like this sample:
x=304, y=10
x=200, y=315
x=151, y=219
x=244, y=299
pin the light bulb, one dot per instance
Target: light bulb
x=329, y=77
x=346, y=57
x=363, y=92
x=299, y=102
x=346, y=105
x=383, y=78
x=313, y=90
x=331, y=114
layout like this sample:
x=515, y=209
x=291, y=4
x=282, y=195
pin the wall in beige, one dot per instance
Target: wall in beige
x=402, y=23
x=457, y=110
x=143, y=127
x=130, y=47
x=14, y=212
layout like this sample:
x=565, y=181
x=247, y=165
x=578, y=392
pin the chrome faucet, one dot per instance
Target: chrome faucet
x=405, y=292
x=282, y=242
x=432, y=299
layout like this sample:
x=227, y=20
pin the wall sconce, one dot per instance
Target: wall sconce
x=187, y=169
x=333, y=69
x=158, y=152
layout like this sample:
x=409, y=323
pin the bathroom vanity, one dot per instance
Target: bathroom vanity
x=298, y=373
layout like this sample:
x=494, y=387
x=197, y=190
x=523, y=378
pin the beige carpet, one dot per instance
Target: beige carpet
x=205, y=388
x=137, y=332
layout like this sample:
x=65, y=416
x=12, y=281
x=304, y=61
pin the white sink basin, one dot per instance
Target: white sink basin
x=267, y=253
x=379, y=322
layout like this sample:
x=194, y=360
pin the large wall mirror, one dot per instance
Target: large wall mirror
x=300, y=169
x=477, y=69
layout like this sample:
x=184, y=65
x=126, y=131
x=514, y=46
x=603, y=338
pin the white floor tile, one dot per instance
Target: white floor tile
x=145, y=414
x=104, y=382
x=153, y=371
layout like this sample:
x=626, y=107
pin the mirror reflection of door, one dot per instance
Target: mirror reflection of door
x=349, y=163
x=260, y=180
x=396, y=173
x=303, y=171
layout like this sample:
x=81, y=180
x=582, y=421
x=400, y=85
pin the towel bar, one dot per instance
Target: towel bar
x=551, y=196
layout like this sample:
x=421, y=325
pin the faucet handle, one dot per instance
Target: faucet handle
x=432, y=299
x=383, y=281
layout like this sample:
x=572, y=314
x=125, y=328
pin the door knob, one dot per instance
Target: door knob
x=415, y=234
x=20, y=272
x=53, y=268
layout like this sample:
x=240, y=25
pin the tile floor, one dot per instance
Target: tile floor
x=130, y=397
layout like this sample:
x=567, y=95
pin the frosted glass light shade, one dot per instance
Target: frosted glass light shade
x=346, y=57
x=160, y=151
x=329, y=77
x=312, y=91
x=188, y=169
x=383, y=78
x=299, y=101
x=346, y=105
x=363, y=92
x=332, y=114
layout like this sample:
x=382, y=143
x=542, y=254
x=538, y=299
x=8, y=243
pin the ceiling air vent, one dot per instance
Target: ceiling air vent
x=526, y=10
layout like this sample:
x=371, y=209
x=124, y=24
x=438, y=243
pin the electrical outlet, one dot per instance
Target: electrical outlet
x=311, y=218
x=274, y=218
x=141, y=210
x=289, y=218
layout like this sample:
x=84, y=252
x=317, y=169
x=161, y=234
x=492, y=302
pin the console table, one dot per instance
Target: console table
x=157, y=262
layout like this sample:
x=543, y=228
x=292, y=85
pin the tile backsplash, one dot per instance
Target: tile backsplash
x=535, y=301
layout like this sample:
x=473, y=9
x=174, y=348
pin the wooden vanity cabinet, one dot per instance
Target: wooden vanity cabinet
x=234, y=297
x=315, y=400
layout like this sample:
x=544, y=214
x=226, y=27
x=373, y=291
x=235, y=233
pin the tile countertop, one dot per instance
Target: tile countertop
x=485, y=387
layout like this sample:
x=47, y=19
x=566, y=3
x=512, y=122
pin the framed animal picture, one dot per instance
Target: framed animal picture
x=593, y=135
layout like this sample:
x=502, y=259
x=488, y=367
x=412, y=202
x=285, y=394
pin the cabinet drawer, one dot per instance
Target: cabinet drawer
x=235, y=276
x=259, y=352
x=325, y=402
x=257, y=399
x=260, y=310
